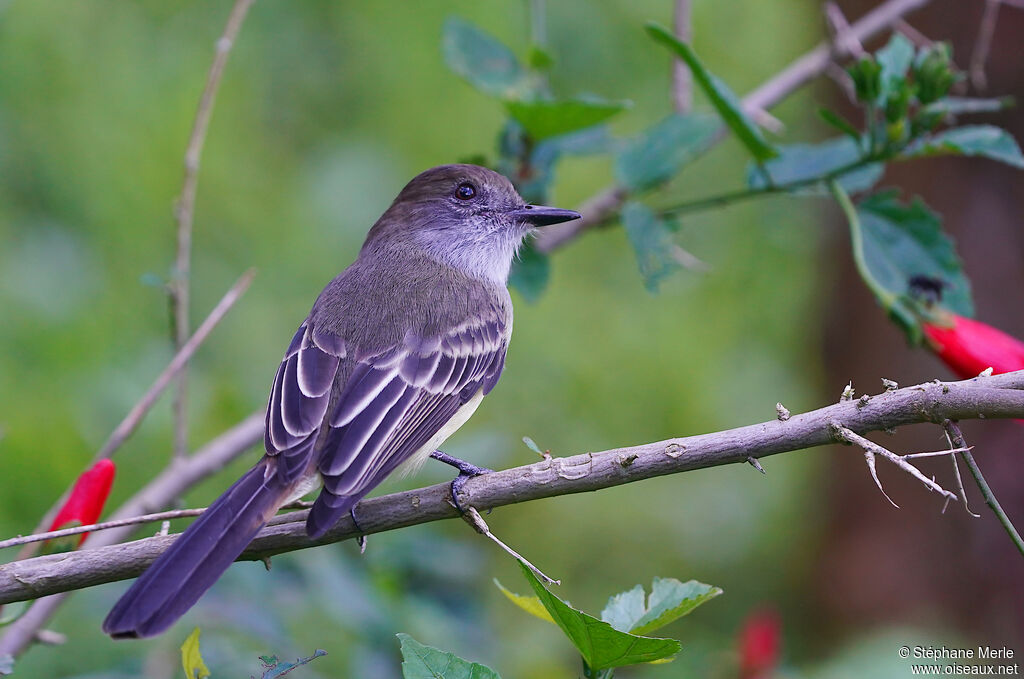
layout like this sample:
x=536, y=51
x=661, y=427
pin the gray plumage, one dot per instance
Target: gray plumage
x=395, y=354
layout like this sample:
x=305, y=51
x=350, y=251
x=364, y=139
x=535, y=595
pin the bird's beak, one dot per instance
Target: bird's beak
x=539, y=215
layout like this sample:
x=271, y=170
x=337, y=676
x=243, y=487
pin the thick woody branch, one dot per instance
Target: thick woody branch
x=988, y=397
x=603, y=206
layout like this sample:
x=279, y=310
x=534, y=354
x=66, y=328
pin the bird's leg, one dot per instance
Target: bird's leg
x=361, y=540
x=467, y=471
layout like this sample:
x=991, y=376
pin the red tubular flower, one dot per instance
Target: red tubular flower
x=760, y=644
x=969, y=347
x=85, y=504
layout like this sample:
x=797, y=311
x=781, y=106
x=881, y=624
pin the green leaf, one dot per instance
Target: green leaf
x=530, y=273
x=277, y=669
x=624, y=609
x=427, y=662
x=955, y=106
x=651, y=238
x=670, y=599
x=655, y=155
x=542, y=118
x=721, y=97
x=530, y=604
x=482, y=60
x=806, y=162
x=840, y=123
x=894, y=242
x=601, y=645
x=192, y=659
x=895, y=59
x=987, y=141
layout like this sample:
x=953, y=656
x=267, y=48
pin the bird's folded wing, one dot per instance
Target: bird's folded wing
x=392, y=403
x=299, y=398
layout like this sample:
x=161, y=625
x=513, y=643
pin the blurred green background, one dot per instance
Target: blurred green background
x=326, y=110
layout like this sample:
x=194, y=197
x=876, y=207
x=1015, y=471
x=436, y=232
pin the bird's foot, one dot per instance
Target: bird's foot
x=467, y=471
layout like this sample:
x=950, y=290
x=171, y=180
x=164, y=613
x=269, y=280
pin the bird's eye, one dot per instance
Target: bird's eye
x=465, y=191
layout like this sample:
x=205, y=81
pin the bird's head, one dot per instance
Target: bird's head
x=466, y=216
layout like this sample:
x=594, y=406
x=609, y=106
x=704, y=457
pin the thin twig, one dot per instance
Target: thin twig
x=139, y=411
x=871, y=449
x=185, y=211
x=842, y=36
x=473, y=518
x=960, y=480
x=134, y=417
x=682, y=80
x=983, y=44
x=77, y=530
x=995, y=396
x=932, y=453
x=957, y=439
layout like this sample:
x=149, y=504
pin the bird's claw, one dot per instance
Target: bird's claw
x=467, y=471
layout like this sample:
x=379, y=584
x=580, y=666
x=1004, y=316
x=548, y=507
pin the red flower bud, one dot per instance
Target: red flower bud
x=760, y=644
x=85, y=503
x=969, y=347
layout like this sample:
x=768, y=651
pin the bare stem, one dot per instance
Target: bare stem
x=185, y=212
x=957, y=439
x=983, y=44
x=682, y=80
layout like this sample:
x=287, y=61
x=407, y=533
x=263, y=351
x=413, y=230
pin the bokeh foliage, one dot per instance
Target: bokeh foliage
x=326, y=110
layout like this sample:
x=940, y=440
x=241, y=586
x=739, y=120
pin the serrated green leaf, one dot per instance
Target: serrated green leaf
x=624, y=609
x=655, y=155
x=652, y=243
x=804, y=162
x=482, y=60
x=543, y=118
x=192, y=659
x=279, y=669
x=530, y=273
x=427, y=662
x=601, y=645
x=530, y=604
x=722, y=98
x=669, y=600
x=895, y=59
x=894, y=242
x=987, y=141
x=838, y=122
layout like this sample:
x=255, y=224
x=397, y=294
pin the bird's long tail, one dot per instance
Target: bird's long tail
x=176, y=580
